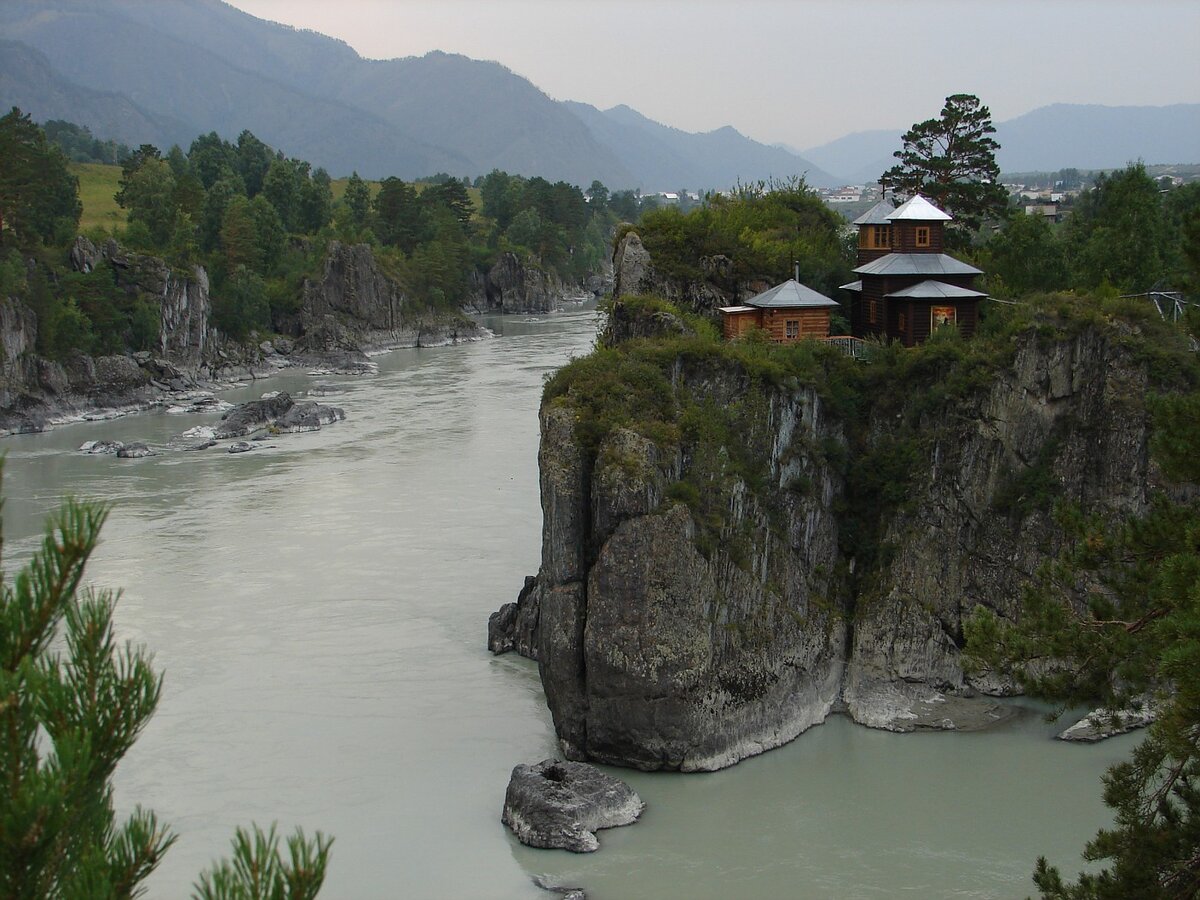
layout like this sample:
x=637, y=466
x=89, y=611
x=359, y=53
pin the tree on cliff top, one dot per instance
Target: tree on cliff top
x=952, y=161
x=67, y=717
x=39, y=198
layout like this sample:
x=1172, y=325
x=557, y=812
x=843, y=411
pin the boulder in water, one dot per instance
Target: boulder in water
x=558, y=804
x=240, y=447
x=136, y=450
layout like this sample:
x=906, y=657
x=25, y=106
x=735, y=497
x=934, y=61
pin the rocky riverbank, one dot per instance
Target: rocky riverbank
x=351, y=311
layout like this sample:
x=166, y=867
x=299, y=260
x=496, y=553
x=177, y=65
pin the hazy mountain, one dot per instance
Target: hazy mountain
x=168, y=70
x=719, y=157
x=857, y=158
x=1046, y=139
x=98, y=46
x=1098, y=137
x=29, y=81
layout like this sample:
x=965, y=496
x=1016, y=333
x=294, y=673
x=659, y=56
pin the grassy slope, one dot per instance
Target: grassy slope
x=97, y=188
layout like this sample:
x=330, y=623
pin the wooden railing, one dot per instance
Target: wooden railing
x=847, y=343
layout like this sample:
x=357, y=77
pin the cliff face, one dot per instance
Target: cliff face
x=634, y=273
x=689, y=629
x=352, y=309
x=661, y=644
x=1066, y=422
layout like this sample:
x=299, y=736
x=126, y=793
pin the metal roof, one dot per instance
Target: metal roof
x=736, y=309
x=936, y=290
x=917, y=264
x=876, y=215
x=852, y=286
x=918, y=209
x=790, y=295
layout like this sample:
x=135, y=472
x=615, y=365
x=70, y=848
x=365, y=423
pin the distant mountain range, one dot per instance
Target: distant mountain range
x=1046, y=139
x=163, y=72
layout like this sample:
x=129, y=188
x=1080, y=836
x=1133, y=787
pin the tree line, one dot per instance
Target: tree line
x=260, y=221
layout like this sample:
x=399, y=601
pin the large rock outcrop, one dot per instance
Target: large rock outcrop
x=686, y=629
x=1066, y=421
x=661, y=647
x=561, y=805
x=355, y=307
x=634, y=273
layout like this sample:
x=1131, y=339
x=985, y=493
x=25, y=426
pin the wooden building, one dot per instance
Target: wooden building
x=788, y=312
x=908, y=286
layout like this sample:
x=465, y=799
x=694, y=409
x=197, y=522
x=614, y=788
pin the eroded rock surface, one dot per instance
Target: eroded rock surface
x=562, y=805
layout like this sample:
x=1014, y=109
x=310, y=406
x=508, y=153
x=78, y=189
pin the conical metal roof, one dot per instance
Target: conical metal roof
x=918, y=209
x=790, y=295
x=917, y=264
x=876, y=215
x=936, y=290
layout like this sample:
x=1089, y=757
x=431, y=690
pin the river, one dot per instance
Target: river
x=319, y=610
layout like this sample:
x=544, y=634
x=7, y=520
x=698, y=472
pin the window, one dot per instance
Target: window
x=902, y=322
x=792, y=328
x=883, y=236
x=922, y=236
x=941, y=315
x=872, y=312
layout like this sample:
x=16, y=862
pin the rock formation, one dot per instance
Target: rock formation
x=280, y=412
x=686, y=629
x=563, y=804
x=353, y=309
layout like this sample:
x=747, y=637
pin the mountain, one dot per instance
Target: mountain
x=1062, y=135
x=29, y=81
x=1098, y=137
x=202, y=65
x=859, y=158
x=668, y=158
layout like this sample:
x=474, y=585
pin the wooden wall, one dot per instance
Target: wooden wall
x=904, y=237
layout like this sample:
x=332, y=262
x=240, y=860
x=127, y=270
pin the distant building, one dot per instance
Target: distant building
x=907, y=286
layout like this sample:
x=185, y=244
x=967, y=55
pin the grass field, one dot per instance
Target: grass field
x=97, y=188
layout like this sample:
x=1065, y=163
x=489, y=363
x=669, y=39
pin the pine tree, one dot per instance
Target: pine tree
x=72, y=703
x=1119, y=616
x=952, y=161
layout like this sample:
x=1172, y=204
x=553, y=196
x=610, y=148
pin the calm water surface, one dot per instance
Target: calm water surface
x=319, y=609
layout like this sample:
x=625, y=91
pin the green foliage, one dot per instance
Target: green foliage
x=952, y=161
x=148, y=192
x=72, y=703
x=78, y=143
x=1117, y=233
x=258, y=870
x=1117, y=617
x=761, y=229
x=39, y=198
x=1026, y=257
x=242, y=305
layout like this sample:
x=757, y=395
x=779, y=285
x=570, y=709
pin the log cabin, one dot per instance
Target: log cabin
x=788, y=312
x=908, y=287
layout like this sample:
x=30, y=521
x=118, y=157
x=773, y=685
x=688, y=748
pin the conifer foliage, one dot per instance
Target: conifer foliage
x=952, y=161
x=72, y=702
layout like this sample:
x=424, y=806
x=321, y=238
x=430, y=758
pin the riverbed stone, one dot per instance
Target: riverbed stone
x=136, y=450
x=1104, y=723
x=556, y=804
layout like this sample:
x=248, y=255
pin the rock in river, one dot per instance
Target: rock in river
x=136, y=450
x=240, y=447
x=562, y=804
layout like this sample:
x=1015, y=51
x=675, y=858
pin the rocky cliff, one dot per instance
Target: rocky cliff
x=747, y=543
x=514, y=285
x=351, y=309
x=634, y=274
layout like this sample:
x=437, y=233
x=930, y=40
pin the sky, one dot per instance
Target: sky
x=800, y=73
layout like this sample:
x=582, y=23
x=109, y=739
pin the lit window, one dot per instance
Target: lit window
x=902, y=322
x=942, y=315
x=922, y=237
x=871, y=312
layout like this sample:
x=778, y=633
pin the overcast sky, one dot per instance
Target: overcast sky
x=801, y=72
